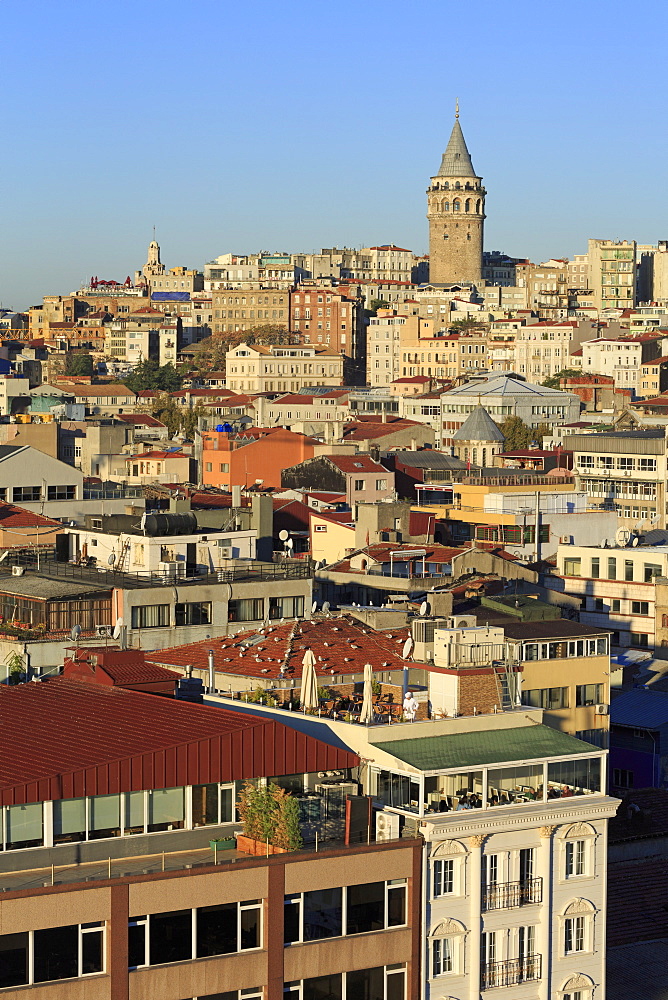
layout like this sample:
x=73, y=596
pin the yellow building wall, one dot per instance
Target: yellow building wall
x=332, y=543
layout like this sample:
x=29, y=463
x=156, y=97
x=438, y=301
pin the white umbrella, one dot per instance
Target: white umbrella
x=366, y=715
x=309, y=692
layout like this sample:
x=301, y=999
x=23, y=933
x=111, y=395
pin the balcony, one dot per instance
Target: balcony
x=510, y=972
x=504, y=895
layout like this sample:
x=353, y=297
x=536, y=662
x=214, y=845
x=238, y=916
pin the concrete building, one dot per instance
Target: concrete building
x=360, y=478
x=625, y=471
x=503, y=396
x=456, y=213
x=621, y=358
x=615, y=584
x=383, y=347
x=328, y=317
x=612, y=273
x=544, y=348
x=253, y=305
x=252, y=457
x=255, y=368
x=479, y=439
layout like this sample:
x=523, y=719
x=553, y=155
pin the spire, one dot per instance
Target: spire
x=456, y=160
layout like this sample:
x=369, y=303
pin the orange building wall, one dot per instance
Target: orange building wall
x=263, y=459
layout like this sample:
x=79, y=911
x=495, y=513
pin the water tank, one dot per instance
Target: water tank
x=157, y=525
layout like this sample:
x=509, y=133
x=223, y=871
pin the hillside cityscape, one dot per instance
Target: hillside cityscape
x=334, y=622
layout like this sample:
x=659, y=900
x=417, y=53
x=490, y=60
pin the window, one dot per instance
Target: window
x=589, y=694
x=574, y=935
x=443, y=877
x=182, y=935
x=286, y=607
x=381, y=484
x=60, y=492
x=224, y=466
x=248, y=609
x=359, y=485
x=53, y=953
x=572, y=567
x=596, y=567
x=576, y=858
x=24, y=493
x=193, y=613
x=615, y=606
x=628, y=569
x=546, y=697
x=650, y=570
x=150, y=616
x=442, y=956
x=639, y=607
x=382, y=983
x=355, y=909
x=621, y=778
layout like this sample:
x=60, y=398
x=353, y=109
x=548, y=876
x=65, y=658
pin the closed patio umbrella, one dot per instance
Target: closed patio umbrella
x=309, y=691
x=366, y=715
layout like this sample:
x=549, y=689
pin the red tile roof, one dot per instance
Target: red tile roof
x=18, y=517
x=89, y=739
x=157, y=454
x=367, y=430
x=355, y=463
x=140, y=418
x=340, y=645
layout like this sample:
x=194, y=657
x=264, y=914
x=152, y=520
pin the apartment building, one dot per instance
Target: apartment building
x=327, y=317
x=547, y=288
x=626, y=471
x=381, y=263
x=544, y=348
x=615, y=584
x=256, y=368
x=612, y=273
x=253, y=305
x=622, y=358
x=383, y=348
x=254, y=456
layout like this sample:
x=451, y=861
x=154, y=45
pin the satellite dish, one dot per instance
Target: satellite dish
x=142, y=523
x=424, y=608
x=636, y=540
x=283, y=535
x=408, y=645
x=622, y=536
x=117, y=628
x=326, y=607
x=75, y=633
x=112, y=558
x=314, y=607
x=290, y=544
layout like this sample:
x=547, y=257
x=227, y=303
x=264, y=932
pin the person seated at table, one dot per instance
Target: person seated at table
x=493, y=800
x=505, y=800
x=553, y=793
x=463, y=803
x=444, y=806
x=566, y=792
x=476, y=801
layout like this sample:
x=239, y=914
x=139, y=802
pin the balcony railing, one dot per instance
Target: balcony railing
x=510, y=972
x=504, y=895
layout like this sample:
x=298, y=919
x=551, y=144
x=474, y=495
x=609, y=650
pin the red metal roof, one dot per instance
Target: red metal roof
x=18, y=517
x=86, y=739
x=355, y=463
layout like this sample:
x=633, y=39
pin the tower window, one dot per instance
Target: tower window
x=456, y=206
x=467, y=205
x=468, y=236
x=446, y=206
x=445, y=236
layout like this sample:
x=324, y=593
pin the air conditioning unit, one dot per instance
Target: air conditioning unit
x=387, y=826
x=422, y=629
x=566, y=539
x=18, y=570
x=104, y=630
x=601, y=709
x=462, y=621
x=225, y=551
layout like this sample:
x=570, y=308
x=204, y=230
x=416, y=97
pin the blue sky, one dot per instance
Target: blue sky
x=294, y=126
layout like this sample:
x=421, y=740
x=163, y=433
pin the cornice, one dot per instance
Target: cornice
x=500, y=820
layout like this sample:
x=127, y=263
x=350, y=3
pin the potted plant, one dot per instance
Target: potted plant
x=270, y=819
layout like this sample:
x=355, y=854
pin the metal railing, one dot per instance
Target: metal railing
x=511, y=972
x=504, y=895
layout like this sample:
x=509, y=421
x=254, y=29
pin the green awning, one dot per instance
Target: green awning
x=491, y=746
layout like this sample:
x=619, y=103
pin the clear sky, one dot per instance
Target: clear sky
x=291, y=126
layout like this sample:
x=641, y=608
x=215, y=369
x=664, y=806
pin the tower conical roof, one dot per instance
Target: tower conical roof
x=456, y=160
x=479, y=426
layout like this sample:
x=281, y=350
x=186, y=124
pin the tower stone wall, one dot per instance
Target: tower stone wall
x=456, y=214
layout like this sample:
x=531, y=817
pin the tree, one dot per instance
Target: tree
x=190, y=418
x=16, y=668
x=516, y=433
x=377, y=304
x=543, y=430
x=166, y=409
x=469, y=324
x=149, y=374
x=78, y=364
x=553, y=381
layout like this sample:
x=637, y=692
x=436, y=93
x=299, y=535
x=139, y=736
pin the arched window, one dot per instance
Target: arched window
x=457, y=185
x=467, y=205
x=578, y=987
x=447, y=185
x=446, y=206
x=477, y=206
x=456, y=206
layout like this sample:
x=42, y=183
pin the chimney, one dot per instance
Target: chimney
x=212, y=674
